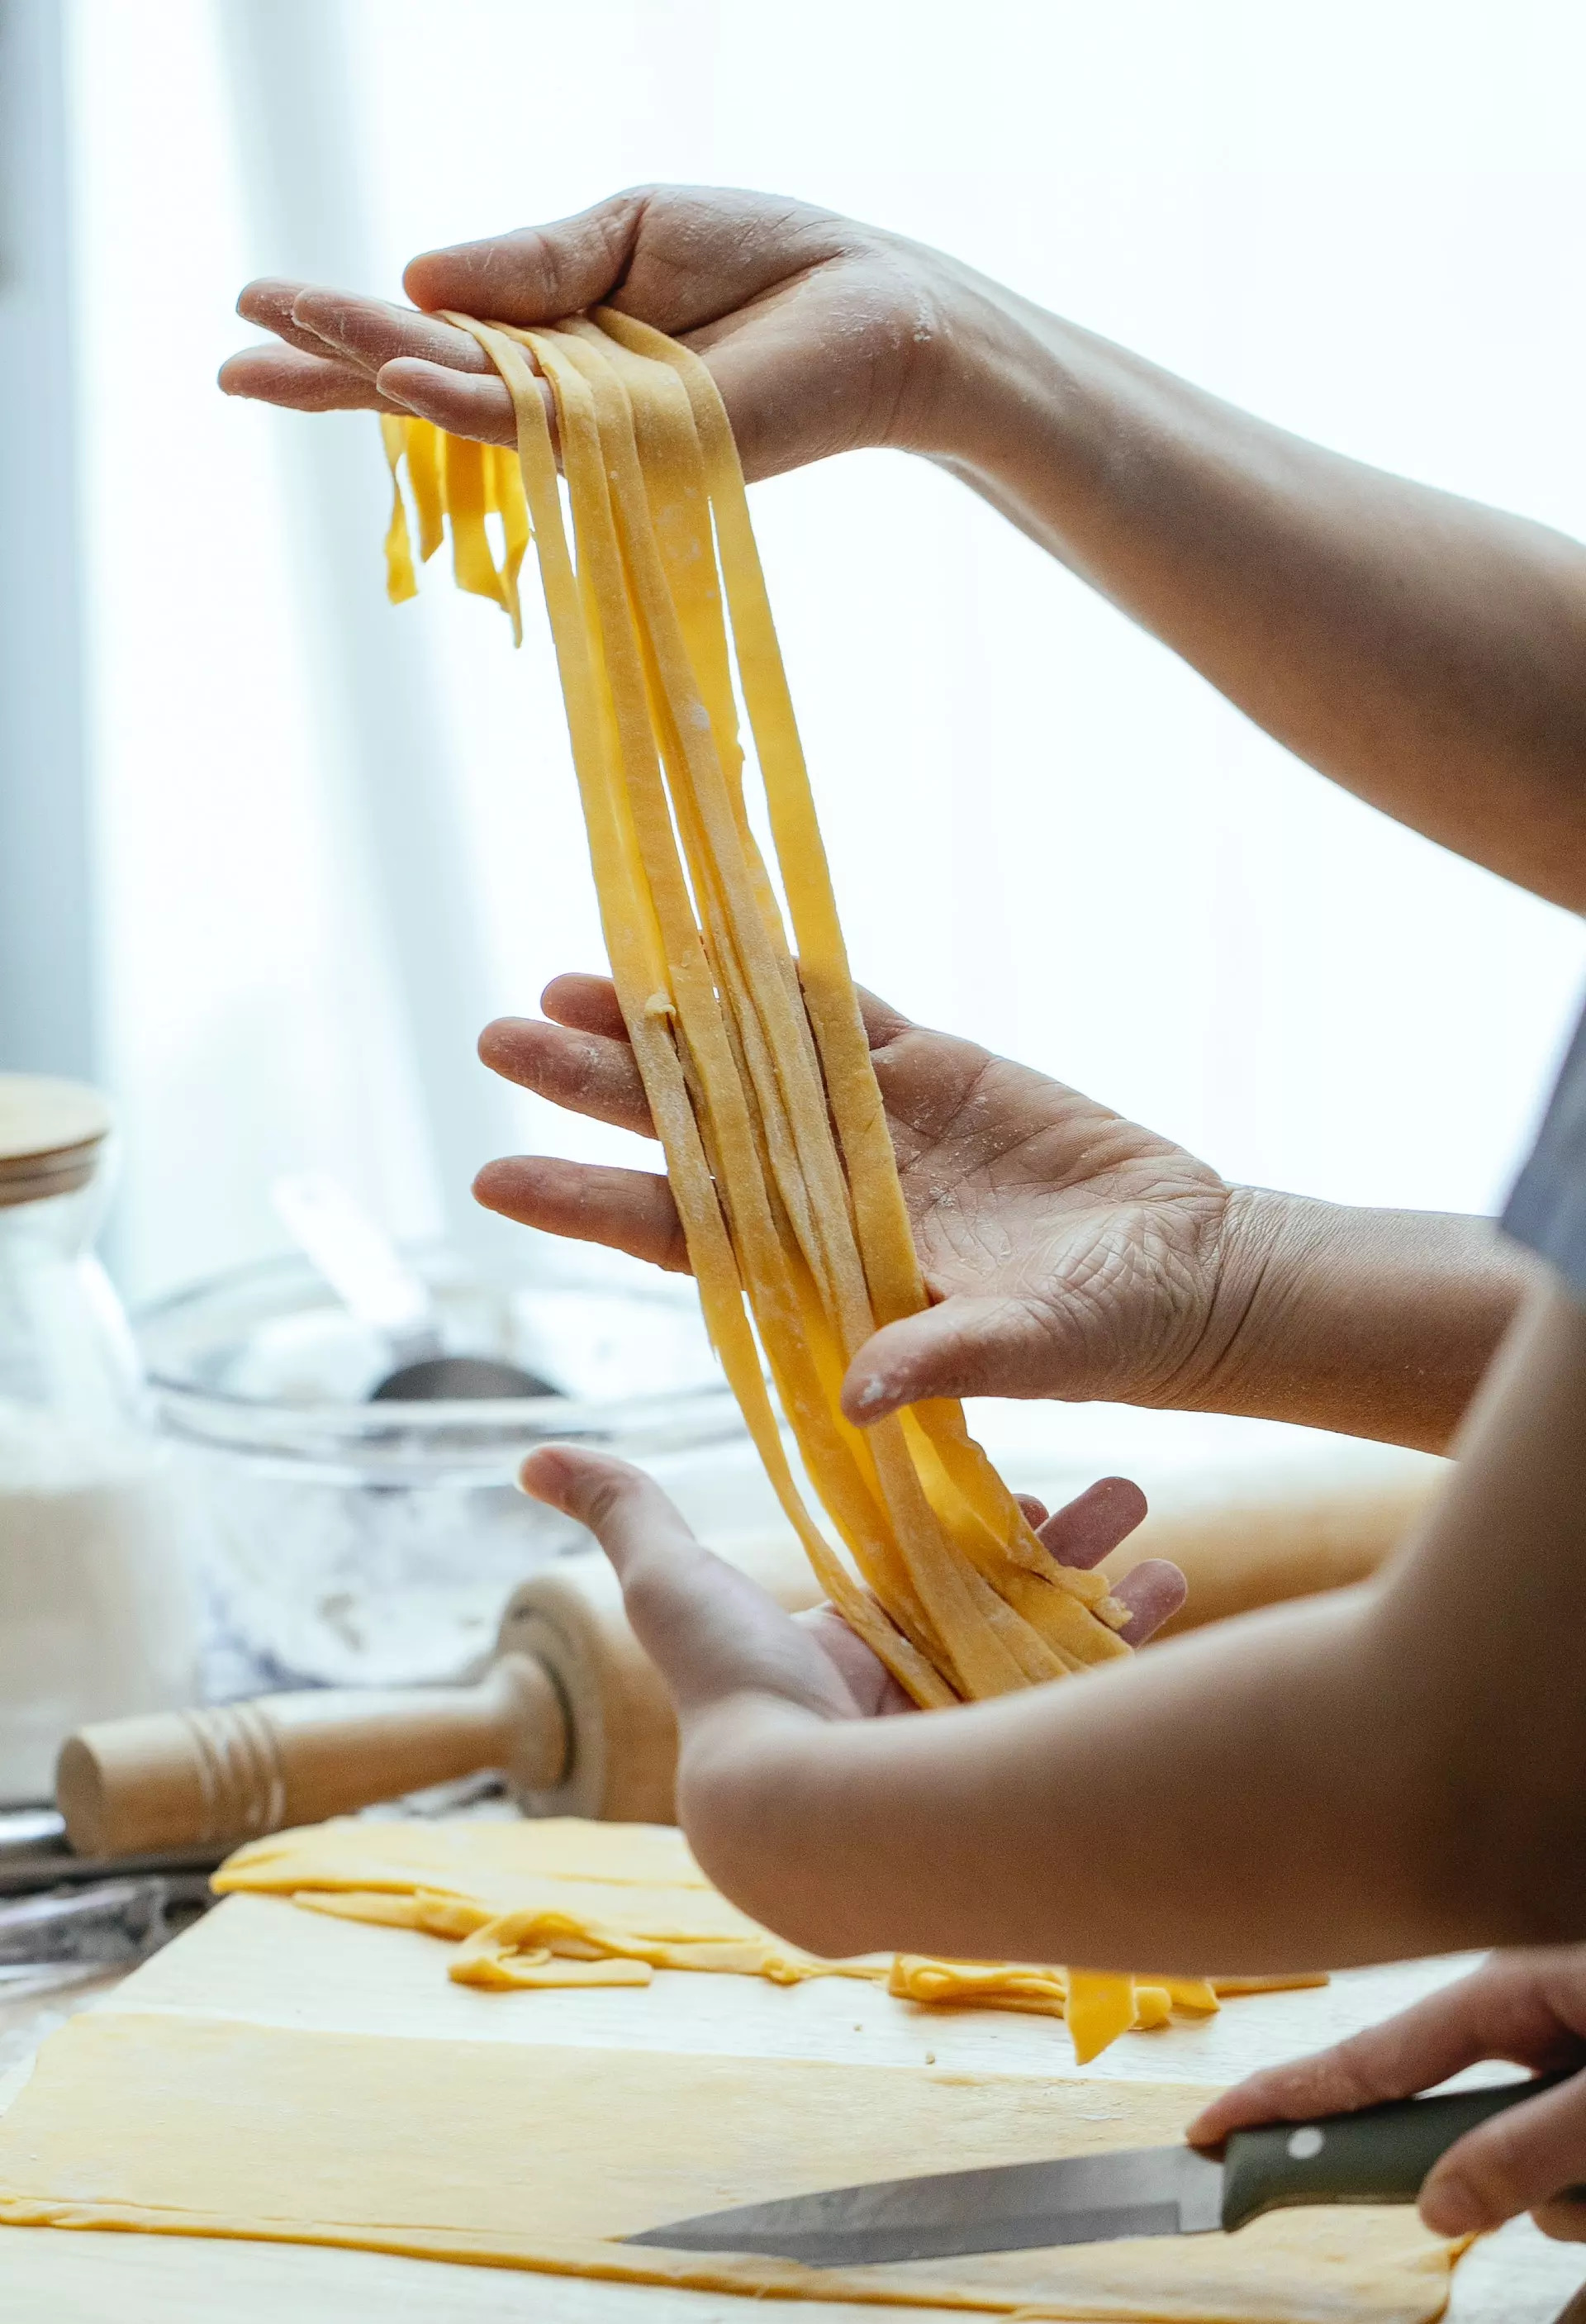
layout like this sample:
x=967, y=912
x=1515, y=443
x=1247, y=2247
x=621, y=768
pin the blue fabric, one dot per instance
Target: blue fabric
x=1547, y=1210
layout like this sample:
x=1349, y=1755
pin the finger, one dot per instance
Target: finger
x=1498, y=2011
x=1035, y=1511
x=453, y=399
x=370, y=332
x=269, y=302
x=300, y=381
x=429, y=366
x=1516, y=2162
x=537, y=274
x=586, y=1071
x=625, y=1209
x=1153, y=1592
x=1565, y=2222
x=1091, y=1527
x=710, y=1630
x=587, y=1003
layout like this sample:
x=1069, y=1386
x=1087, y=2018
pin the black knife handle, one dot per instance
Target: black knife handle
x=1380, y=2155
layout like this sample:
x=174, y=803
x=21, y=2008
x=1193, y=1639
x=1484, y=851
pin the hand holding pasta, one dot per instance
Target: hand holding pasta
x=722, y=1643
x=1069, y=1253
x=822, y=335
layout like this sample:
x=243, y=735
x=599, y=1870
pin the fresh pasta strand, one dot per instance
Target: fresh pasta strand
x=744, y=1021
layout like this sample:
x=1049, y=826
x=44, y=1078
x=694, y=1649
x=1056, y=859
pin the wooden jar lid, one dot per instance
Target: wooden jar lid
x=50, y=1132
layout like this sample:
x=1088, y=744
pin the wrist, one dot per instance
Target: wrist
x=1019, y=396
x=1376, y=1323
x=971, y=357
x=1255, y=1290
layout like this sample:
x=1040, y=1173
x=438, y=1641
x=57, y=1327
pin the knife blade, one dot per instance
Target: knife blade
x=1378, y=2155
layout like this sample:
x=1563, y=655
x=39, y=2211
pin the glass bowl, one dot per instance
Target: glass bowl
x=348, y=1543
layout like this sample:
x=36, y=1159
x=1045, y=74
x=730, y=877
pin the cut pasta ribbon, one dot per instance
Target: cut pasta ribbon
x=741, y=1014
x=557, y=1901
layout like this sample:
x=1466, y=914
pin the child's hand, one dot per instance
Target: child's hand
x=715, y=1635
x=1070, y=1253
x=1528, y=2007
x=823, y=335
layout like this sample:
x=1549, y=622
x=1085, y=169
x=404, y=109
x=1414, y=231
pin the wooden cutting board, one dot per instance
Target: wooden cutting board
x=261, y=1960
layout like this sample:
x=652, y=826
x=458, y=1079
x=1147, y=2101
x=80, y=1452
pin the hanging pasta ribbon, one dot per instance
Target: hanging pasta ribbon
x=745, y=1022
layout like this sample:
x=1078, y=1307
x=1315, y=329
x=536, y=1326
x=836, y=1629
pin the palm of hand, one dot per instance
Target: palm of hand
x=1072, y=1253
x=990, y=1153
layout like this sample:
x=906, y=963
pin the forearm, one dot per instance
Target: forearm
x=1375, y=1324
x=1189, y=1812
x=1389, y=1772
x=1426, y=652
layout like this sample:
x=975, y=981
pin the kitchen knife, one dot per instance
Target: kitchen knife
x=1379, y=2155
x=34, y=1854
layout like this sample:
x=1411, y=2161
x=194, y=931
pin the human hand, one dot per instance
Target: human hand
x=715, y=1635
x=1069, y=1253
x=823, y=336
x=1528, y=2007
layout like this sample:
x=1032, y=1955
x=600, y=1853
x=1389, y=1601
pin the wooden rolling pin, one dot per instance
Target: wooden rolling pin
x=573, y=1715
x=1256, y=1539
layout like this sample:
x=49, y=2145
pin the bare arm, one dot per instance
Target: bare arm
x=1424, y=651
x=1392, y=1772
x=1376, y=1323
x=1428, y=654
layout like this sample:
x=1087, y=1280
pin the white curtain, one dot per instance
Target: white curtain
x=1360, y=220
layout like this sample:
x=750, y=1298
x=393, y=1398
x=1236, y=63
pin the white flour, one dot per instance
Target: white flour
x=97, y=1614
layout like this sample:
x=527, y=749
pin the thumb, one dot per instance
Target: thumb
x=963, y=1347
x=535, y=275
x=709, y=1629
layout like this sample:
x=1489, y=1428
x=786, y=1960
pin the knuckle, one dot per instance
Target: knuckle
x=1499, y=2171
x=581, y=1066
x=656, y=1595
x=605, y=1500
x=646, y=1590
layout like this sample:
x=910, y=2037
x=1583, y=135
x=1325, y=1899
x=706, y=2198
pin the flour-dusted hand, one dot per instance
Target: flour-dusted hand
x=1528, y=2007
x=1424, y=651
x=823, y=335
x=1070, y=1253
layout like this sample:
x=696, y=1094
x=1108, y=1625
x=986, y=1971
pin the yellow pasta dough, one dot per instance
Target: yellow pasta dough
x=754, y=1058
x=458, y=1851
x=564, y=1902
x=510, y=2155
x=738, y=1000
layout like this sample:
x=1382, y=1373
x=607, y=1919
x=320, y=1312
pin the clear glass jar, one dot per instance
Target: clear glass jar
x=97, y=1614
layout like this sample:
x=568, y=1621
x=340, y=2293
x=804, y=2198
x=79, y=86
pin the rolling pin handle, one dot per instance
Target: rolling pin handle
x=182, y=1779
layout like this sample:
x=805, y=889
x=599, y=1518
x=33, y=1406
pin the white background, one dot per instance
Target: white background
x=1361, y=221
